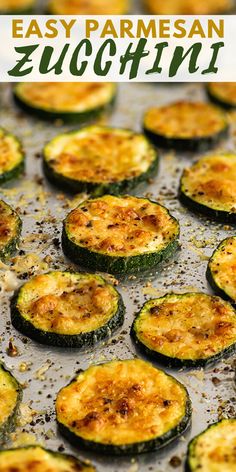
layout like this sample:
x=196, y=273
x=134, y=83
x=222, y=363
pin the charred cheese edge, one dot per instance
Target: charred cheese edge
x=69, y=101
x=221, y=271
x=222, y=94
x=129, y=407
x=16, y=6
x=99, y=160
x=39, y=459
x=90, y=7
x=213, y=450
x=10, y=397
x=67, y=309
x=10, y=230
x=192, y=329
x=119, y=234
x=188, y=7
x=209, y=186
x=190, y=126
x=11, y=156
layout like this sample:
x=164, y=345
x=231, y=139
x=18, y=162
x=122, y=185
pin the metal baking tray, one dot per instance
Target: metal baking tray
x=44, y=370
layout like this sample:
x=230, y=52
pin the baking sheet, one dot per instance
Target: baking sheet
x=42, y=209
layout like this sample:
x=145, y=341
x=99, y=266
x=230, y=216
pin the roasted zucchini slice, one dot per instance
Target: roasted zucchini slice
x=223, y=94
x=214, y=449
x=10, y=230
x=70, y=102
x=119, y=234
x=188, y=7
x=186, y=126
x=100, y=160
x=38, y=459
x=10, y=397
x=90, y=7
x=191, y=330
x=209, y=187
x=129, y=407
x=221, y=270
x=19, y=7
x=67, y=309
x=11, y=157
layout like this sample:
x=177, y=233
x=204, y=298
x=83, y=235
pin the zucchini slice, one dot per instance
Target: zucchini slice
x=10, y=230
x=11, y=157
x=67, y=309
x=221, y=270
x=90, y=7
x=68, y=101
x=209, y=187
x=19, y=7
x=38, y=459
x=10, y=397
x=191, y=330
x=119, y=234
x=222, y=94
x=129, y=407
x=186, y=126
x=188, y=7
x=214, y=449
x=99, y=160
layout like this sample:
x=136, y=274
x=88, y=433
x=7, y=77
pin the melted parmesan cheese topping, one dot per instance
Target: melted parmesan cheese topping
x=122, y=402
x=8, y=224
x=188, y=7
x=99, y=154
x=66, y=96
x=66, y=303
x=211, y=182
x=215, y=449
x=223, y=267
x=185, y=120
x=89, y=7
x=8, y=5
x=10, y=152
x=8, y=395
x=36, y=459
x=190, y=326
x=225, y=91
x=121, y=226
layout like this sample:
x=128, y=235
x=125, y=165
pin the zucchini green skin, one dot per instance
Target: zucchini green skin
x=211, y=279
x=66, y=117
x=10, y=248
x=76, y=341
x=191, y=446
x=218, y=101
x=200, y=144
x=72, y=461
x=18, y=169
x=10, y=423
x=196, y=207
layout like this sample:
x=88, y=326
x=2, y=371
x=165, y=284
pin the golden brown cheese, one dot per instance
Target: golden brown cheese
x=121, y=226
x=89, y=7
x=66, y=96
x=121, y=402
x=8, y=225
x=211, y=182
x=10, y=152
x=223, y=267
x=37, y=459
x=185, y=120
x=8, y=396
x=99, y=154
x=67, y=303
x=188, y=7
x=191, y=326
x=215, y=449
x=225, y=91
x=7, y=5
